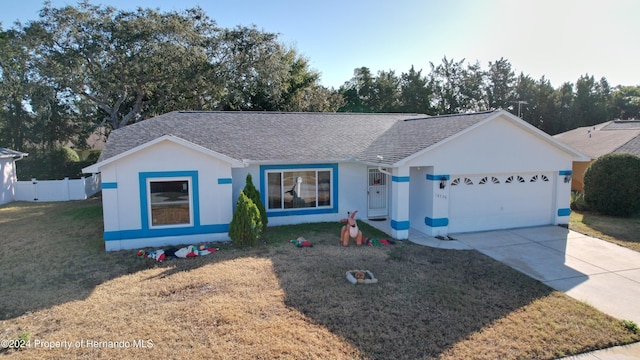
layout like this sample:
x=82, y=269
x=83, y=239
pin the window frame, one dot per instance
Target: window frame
x=265, y=170
x=189, y=181
x=145, y=192
x=282, y=173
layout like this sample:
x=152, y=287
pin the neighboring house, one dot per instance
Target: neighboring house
x=618, y=136
x=8, y=176
x=175, y=178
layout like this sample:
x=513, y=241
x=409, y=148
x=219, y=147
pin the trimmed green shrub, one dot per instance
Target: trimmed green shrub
x=245, y=227
x=611, y=185
x=253, y=194
x=55, y=164
x=66, y=154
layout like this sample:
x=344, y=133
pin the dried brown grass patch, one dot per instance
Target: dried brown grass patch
x=618, y=230
x=278, y=301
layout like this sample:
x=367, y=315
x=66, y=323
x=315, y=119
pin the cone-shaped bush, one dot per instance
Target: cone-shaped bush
x=611, y=184
x=253, y=194
x=245, y=227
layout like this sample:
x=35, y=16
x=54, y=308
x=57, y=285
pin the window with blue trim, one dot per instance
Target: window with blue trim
x=299, y=188
x=170, y=201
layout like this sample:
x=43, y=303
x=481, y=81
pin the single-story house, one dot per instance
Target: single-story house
x=618, y=136
x=175, y=178
x=8, y=175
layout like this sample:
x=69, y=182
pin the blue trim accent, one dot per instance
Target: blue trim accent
x=440, y=222
x=400, y=225
x=437, y=177
x=109, y=185
x=138, y=234
x=566, y=172
x=222, y=181
x=400, y=178
x=301, y=211
x=564, y=212
x=146, y=231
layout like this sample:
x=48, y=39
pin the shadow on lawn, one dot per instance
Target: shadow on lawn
x=619, y=230
x=426, y=300
x=53, y=253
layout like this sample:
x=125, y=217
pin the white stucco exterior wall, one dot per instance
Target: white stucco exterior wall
x=497, y=147
x=400, y=205
x=7, y=180
x=122, y=200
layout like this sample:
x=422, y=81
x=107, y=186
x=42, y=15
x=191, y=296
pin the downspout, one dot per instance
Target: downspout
x=384, y=171
x=380, y=158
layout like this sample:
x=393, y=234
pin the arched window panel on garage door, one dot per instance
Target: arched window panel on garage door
x=512, y=201
x=485, y=180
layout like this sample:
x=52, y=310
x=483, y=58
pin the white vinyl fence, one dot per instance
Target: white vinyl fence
x=57, y=190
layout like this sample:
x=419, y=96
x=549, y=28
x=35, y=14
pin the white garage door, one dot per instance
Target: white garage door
x=501, y=201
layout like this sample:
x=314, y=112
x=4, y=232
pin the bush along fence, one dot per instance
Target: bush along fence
x=57, y=190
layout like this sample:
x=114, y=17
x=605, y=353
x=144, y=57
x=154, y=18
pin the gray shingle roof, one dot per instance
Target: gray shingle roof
x=620, y=136
x=266, y=136
x=631, y=147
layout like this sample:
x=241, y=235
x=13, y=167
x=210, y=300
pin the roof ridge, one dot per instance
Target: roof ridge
x=291, y=112
x=453, y=115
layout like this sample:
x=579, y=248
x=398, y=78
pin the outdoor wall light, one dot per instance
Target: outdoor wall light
x=443, y=182
x=567, y=179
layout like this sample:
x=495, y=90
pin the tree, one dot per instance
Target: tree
x=257, y=72
x=245, y=227
x=124, y=62
x=415, y=92
x=565, y=100
x=500, y=85
x=456, y=89
x=524, y=92
x=625, y=102
x=251, y=66
x=252, y=193
x=15, y=121
x=591, y=103
x=386, y=92
x=33, y=116
x=539, y=105
x=315, y=98
x=545, y=109
x=472, y=92
x=358, y=92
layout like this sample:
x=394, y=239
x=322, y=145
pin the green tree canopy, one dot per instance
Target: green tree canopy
x=126, y=63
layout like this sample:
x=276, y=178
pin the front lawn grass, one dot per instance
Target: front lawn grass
x=618, y=230
x=275, y=300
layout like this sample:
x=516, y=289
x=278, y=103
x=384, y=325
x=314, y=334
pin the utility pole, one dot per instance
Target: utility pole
x=520, y=102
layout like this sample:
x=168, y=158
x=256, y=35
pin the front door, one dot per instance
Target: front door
x=377, y=194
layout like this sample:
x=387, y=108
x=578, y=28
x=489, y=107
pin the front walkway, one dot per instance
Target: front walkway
x=602, y=274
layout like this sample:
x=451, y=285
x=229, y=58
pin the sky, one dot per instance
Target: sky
x=559, y=39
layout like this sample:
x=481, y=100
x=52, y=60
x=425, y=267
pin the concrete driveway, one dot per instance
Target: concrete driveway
x=602, y=274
